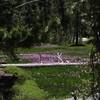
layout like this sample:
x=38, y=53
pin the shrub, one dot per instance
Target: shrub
x=24, y=88
x=20, y=73
x=28, y=91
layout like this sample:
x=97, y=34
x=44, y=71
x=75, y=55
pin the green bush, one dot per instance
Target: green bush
x=28, y=91
x=18, y=72
x=25, y=88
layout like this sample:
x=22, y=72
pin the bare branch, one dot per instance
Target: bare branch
x=23, y=4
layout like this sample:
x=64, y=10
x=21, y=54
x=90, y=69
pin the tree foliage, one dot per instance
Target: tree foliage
x=44, y=21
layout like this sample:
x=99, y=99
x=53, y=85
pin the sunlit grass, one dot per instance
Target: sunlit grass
x=82, y=51
x=60, y=81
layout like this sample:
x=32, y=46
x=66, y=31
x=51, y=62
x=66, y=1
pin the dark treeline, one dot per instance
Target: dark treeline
x=47, y=21
x=25, y=23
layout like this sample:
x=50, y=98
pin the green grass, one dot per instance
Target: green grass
x=24, y=88
x=82, y=51
x=60, y=81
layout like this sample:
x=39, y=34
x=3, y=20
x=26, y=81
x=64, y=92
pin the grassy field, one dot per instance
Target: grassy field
x=61, y=81
x=82, y=51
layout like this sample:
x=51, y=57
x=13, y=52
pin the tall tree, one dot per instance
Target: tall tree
x=95, y=55
x=63, y=15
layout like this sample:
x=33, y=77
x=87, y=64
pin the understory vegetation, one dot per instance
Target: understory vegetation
x=60, y=81
x=52, y=82
x=24, y=87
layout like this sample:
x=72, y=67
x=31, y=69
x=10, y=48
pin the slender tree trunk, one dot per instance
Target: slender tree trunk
x=77, y=28
x=64, y=17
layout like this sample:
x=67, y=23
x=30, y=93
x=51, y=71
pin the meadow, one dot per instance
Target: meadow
x=61, y=81
x=82, y=51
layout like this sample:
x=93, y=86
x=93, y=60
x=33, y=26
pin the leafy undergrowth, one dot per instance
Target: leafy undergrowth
x=57, y=82
x=25, y=88
x=29, y=90
x=61, y=81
